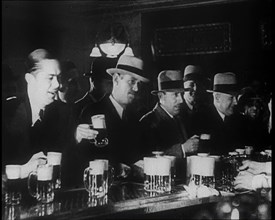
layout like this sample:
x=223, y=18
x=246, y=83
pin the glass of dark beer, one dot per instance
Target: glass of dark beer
x=98, y=123
x=13, y=193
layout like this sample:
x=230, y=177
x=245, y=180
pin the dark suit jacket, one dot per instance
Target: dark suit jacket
x=122, y=136
x=20, y=140
x=161, y=132
x=225, y=135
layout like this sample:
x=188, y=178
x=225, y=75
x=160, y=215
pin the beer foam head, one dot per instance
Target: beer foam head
x=203, y=166
x=54, y=158
x=240, y=151
x=205, y=136
x=248, y=150
x=268, y=152
x=172, y=158
x=150, y=165
x=98, y=121
x=106, y=163
x=203, y=154
x=13, y=171
x=97, y=167
x=44, y=172
x=163, y=166
x=216, y=157
x=157, y=153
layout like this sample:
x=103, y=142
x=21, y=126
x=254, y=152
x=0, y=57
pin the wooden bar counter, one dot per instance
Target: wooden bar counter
x=124, y=199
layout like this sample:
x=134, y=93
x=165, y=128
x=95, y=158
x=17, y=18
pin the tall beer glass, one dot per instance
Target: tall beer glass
x=93, y=178
x=13, y=185
x=98, y=123
x=44, y=192
x=54, y=158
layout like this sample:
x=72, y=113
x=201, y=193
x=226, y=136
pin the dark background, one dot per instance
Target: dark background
x=68, y=29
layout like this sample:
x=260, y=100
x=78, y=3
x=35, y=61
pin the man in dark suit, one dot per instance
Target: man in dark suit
x=161, y=128
x=34, y=123
x=195, y=96
x=219, y=120
x=121, y=123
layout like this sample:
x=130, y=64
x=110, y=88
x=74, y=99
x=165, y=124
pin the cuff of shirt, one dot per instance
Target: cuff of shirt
x=183, y=151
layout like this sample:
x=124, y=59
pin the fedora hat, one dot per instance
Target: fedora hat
x=225, y=83
x=129, y=65
x=192, y=72
x=169, y=81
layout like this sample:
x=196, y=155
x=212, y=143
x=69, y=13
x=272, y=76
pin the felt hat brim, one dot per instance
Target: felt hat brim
x=112, y=71
x=155, y=92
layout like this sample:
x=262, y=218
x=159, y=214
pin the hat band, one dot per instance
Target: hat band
x=176, y=84
x=225, y=88
x=192, y=76
x=130, y=69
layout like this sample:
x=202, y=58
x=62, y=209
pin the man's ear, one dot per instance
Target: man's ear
x=217, y=96
x=116, y=78
x=29, y=78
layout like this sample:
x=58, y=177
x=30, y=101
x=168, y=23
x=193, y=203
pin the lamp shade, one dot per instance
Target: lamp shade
x=128, y=51
x=95, y=52
x=112, y=49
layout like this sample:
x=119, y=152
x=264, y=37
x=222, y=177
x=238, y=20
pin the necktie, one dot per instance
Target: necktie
x=124, y=116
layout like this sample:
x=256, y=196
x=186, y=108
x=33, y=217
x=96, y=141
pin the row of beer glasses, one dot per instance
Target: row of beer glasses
x=97, y=178
x=159, y=172
x=47, y=179
x=230, y=164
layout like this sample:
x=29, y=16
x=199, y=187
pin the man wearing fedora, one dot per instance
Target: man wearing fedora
x=100, y=83
x=221, y=121
x=195, y=96
x=161, y=128
x=121, y=123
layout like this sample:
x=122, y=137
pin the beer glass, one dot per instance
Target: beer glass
x=54, y=158
x=108, y=175
x=44, y=183
x=157, y=174
x=98, y=123
x=173, y=167
x=202, y=171
x=163, y=174
x=13, y=185
x=204, y=143
x=149, y=173
x=93, y=178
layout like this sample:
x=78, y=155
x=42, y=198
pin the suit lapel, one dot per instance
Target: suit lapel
x=173, y=122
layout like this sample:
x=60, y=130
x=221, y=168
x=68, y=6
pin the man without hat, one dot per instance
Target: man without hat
x=195, y=96
x=35, y=123
x=121, y=124
x=220, y=120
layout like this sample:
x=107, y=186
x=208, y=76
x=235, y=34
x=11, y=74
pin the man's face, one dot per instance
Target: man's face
x=252, y=109
x=171, y=102
x=45, y=83
x=190, y=95
x=226, y=103
x=127, y=88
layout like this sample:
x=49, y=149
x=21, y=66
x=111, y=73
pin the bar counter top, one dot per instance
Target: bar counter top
x=124, y=199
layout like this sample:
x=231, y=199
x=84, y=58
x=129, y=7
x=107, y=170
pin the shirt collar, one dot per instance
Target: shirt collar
x=117, y=106
x=166, y=111
x=221, y=114
x=35, y=109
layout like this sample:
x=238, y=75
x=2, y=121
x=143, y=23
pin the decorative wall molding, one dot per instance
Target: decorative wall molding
x=193, y=39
